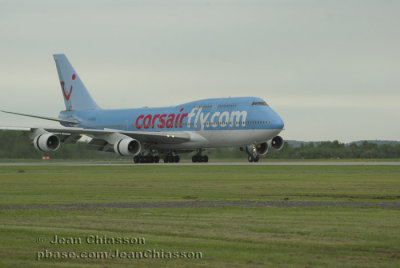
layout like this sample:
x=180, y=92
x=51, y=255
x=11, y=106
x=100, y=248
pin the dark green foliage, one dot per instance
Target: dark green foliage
x=17, y=145
x=321, y=150
x=337, y=150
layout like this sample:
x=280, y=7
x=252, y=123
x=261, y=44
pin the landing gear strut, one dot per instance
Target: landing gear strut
x=146, y=159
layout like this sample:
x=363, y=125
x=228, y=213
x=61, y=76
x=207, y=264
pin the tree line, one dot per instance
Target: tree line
x=18, y=145
x=337, y=150
x=15, y=144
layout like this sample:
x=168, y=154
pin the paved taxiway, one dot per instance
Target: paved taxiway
x=295, y=163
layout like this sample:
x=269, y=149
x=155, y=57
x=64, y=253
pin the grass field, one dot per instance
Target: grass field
x=327, y=236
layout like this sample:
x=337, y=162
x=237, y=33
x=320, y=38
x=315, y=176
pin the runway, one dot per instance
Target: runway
x=285, y=163
x=202, y=204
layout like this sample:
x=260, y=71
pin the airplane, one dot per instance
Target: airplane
x=151, y=134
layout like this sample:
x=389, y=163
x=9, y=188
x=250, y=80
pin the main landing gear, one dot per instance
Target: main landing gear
x=146, y=159
x=169, y=158
x=199, y=158
x=151, y=158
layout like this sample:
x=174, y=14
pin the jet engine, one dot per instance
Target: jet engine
x=126, y=147
x=46, y=142
x=276, y=143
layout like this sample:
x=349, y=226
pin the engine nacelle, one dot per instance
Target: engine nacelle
x=46, y=142
x=128, y=146
x=276, y=143
x=262, y=148
x=258, y=149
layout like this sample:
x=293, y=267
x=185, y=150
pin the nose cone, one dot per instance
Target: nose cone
x=277, y=121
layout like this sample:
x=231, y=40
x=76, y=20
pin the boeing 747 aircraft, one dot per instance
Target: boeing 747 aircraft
x=151, y=134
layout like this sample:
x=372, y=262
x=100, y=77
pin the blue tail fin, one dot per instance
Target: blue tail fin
x=76, y=96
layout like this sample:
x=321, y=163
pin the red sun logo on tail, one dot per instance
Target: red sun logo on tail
x=67, y=96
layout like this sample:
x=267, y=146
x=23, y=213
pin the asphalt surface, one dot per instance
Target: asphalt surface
x=286, y=163
x=200, y=204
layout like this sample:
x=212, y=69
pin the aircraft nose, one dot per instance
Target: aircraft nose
x=277, y=121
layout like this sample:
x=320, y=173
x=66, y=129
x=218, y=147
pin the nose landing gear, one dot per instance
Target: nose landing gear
x=251, y=150
x=253, y=159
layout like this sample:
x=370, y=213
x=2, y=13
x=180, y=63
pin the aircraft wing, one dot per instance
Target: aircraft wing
x=146, y=137
x=102, y=134
x=149, y=137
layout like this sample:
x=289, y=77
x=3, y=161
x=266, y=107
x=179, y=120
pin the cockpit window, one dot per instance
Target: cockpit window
x=259, y=103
